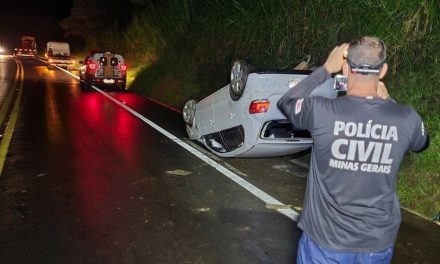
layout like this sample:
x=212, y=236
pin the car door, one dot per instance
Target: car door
x=227, y=119
x=204, y=117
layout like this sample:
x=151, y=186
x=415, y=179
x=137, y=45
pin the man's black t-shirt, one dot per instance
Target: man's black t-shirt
x=351, y=203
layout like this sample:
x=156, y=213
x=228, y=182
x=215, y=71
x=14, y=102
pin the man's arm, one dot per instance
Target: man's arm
x=420, y=139
x=333, y=64
x=295, y=104
x=425, y=146
x=303, y=89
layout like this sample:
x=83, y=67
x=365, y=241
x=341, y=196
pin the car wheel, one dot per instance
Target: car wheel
x=86, y=85
x=189, y=112
x=82, y=85
x=239, y=75
x=122, y=86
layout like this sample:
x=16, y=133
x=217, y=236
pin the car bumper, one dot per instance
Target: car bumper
x=62, y=65
x=267, y=148
x=277, y=148
x=22, y=55
x=108, y=81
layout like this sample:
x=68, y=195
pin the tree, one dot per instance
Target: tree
x=88, y=18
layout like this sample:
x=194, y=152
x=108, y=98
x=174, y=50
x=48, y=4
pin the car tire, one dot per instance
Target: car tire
x=86, y=85
x=82, y=85
x=189, y=112
x=239, y=74
x=122, y=87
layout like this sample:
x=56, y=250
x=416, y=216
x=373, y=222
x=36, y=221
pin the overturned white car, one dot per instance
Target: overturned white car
x=242, y=118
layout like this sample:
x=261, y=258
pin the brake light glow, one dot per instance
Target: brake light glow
x=123, y=67
x=91, y=66
x=259, y=106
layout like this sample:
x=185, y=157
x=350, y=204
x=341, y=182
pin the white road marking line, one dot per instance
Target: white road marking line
x=266, y=198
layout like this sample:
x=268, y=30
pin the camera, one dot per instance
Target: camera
x=340, y=83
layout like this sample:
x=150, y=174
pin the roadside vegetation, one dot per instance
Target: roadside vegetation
x=181, y=49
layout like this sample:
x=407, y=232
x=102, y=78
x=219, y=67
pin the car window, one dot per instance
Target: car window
x=114, y=61
x=103, y=61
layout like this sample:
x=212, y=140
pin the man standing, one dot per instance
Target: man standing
x=351, y=210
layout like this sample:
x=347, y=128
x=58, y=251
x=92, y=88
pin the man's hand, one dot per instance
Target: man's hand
x=382, y=90
x=335, y=59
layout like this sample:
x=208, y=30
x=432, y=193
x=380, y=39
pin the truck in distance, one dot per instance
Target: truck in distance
x=27, y=49
x=58, y=54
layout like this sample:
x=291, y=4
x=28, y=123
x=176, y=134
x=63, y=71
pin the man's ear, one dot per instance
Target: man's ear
x=383, y=71
x=345, y=69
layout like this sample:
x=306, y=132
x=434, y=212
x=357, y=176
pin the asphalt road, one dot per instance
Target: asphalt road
x=86, y=181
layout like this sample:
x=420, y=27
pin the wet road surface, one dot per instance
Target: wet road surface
x=87, y=182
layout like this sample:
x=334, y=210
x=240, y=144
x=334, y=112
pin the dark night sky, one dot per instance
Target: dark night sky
x=31, y=17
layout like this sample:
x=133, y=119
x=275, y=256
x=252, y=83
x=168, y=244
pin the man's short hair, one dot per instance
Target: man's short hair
x=367, y=51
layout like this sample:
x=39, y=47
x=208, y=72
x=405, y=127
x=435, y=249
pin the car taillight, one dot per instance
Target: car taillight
x=259, y=106
x=123, y=67
x=91, y=66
